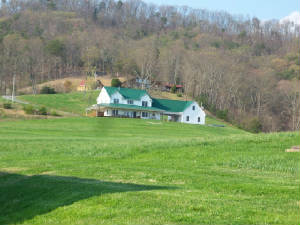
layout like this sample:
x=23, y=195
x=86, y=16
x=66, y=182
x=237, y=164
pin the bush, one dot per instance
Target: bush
x=54, y=113
x=179, y=95
x=42, y=111
x=230, y=45
x=29, y=109
x=254, y=126
x=115, y=82
x=173, y=89
x=222, y=114
x=7, y=105
x=47, y=90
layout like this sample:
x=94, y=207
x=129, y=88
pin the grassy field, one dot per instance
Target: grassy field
x=75, y=102
x=129, y=171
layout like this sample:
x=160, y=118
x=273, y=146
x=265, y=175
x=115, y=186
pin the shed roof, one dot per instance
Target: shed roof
x=171, y=105
x=82, y=83
x=127, y=93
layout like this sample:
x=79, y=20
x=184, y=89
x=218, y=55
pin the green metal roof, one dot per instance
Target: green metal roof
x=170, y=105
x=133, y=107
x=127, y=93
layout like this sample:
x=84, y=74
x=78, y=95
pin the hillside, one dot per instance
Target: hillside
x=77, y=102
x=243, y=68
x=57, y=84
x=128, y=171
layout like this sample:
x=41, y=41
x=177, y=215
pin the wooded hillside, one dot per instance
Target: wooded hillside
x=242, y=69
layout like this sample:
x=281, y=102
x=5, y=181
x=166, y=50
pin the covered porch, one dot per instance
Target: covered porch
x=126, y=112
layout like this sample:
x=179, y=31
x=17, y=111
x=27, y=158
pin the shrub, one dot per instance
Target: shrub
x=54, y=113
x=42, y=111
x=115, y=82
x=47, y=90
x=254, y=126
x=231, y=45
x=222, y=114
x=7, y=105
x=173, y=89
x=29, y=109
x=179, y=95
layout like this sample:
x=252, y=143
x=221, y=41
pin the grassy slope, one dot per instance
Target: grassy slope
x=75, y=102
x=126, y=171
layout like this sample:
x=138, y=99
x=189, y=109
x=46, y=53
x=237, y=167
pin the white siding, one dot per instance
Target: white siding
x=117, y=95
x=193, y=114
x=147, y=99
x=103, y=97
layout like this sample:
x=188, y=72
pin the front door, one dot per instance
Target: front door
x=134, y=114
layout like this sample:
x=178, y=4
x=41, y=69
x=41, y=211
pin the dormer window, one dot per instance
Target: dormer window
x=130, y=102
x=116, y=101
x=144, y=103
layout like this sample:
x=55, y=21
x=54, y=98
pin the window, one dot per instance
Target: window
x=153, y=114
x=116, y=101
x=144, y=114
x=199, y=120
x=115, y=112
x=194, y=107
x=187, y=118
x=130, y=102
x=145, y=103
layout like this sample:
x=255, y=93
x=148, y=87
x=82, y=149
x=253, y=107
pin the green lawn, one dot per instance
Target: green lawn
x=75, y=102
x=130, y=171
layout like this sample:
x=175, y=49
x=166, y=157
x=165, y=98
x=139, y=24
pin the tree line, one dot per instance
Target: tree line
x=243, y=70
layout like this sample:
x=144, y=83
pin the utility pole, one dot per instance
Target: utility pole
x=13, y=90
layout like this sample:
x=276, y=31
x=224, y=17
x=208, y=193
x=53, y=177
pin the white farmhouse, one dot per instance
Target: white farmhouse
x=134, y=103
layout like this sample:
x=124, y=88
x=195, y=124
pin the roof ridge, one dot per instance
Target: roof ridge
x=127, y=93
x=125, y=88
x=174, y=100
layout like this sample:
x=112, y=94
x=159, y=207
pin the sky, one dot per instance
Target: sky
x=262, y=9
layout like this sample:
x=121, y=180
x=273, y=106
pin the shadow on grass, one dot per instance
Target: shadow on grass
x=23, y=197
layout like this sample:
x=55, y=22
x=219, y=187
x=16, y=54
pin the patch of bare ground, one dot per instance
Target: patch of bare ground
x=169, y=95
x=293, y=149
x=57, y=84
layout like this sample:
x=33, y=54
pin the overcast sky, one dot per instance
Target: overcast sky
x=263, y=9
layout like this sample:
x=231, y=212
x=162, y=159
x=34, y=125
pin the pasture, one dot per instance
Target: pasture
x=130, y=171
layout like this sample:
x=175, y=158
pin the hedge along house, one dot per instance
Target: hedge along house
x=134, y=103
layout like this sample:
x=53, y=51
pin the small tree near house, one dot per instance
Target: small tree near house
x=115, y=82
x=47, y=90
x=173, y=89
